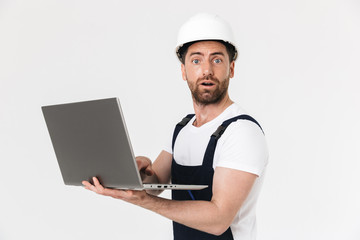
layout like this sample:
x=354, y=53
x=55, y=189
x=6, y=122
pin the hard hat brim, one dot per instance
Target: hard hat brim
x=179, y=48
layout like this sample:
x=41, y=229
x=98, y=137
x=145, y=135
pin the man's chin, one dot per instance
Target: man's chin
x=207, y=99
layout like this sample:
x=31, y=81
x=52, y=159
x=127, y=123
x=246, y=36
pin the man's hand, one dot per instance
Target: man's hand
x=145, y=168
x=126, y=195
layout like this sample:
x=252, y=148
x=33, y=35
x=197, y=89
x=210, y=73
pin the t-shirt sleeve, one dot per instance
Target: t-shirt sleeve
x=242, y=147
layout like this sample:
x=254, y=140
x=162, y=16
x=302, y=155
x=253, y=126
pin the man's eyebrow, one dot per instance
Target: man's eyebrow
x=218, y=53
x=200, y=53
x=196, y=53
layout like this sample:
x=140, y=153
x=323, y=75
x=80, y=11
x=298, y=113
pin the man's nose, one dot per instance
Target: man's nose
x=207, y=69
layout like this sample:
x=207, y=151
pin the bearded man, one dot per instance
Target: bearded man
x=219, y=146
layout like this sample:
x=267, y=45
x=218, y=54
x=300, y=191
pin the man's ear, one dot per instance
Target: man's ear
x=232, y=69
x=183, y=72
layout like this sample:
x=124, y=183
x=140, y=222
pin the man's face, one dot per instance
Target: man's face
x=207, y=70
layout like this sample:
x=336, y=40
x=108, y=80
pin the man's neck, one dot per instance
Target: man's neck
x=206, y=113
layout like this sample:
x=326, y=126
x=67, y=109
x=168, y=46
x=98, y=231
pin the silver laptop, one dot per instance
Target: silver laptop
x=90, y=139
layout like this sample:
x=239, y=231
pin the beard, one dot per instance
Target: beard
x=209, y=96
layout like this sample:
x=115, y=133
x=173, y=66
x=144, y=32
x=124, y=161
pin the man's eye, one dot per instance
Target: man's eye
x=195, y=61
x=217, y=60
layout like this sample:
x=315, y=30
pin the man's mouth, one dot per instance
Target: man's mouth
x=207, y=83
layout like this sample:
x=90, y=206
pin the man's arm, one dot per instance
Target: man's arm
x=230, y=189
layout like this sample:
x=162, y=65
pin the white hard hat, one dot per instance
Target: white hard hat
x=205, y=26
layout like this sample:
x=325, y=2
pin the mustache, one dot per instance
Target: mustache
x=208, y=77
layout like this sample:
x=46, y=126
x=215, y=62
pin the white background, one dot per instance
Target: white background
x=297, y=73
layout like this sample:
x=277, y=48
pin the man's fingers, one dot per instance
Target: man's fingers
x=99, y=188
x=142, y=164
x=126, y=195
x=89, y=186
x=149, y=171
x=96, y=187
x=97, y=183
x=86, y=183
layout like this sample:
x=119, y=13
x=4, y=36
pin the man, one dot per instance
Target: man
x=231, y=159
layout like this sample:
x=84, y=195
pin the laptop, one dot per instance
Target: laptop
x=90, y=139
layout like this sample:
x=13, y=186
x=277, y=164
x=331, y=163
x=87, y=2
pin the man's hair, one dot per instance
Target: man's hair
x=229, y=48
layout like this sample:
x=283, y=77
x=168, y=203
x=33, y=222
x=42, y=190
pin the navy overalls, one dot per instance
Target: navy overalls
x=199, y=175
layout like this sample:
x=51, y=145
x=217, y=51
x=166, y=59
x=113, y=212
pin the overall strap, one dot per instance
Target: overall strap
x=179, y=126
x=210, y=150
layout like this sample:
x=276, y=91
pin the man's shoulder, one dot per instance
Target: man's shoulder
x=232, y=111
x=235, y=111
x=243, y=124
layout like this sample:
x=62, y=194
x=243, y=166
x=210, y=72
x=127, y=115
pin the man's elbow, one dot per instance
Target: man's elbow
x=219, y=228
x=221, y=222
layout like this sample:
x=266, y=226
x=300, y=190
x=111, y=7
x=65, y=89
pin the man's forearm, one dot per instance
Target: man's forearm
x=202, y=215
x=213, y=216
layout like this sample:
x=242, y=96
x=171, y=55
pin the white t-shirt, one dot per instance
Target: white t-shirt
x=242, y=147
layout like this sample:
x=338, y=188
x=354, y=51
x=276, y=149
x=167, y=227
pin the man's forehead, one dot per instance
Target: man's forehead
x=207, y=46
